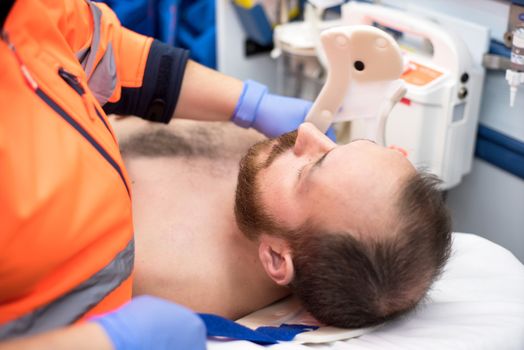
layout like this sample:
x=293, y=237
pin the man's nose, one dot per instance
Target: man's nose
x=311, y=141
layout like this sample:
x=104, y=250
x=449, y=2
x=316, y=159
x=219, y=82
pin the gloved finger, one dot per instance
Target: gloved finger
x=331, y=134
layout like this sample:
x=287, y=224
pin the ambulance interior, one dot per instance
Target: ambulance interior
x=460, y=118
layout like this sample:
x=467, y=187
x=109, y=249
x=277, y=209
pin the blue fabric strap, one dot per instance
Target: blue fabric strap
x=221, y=327
x=285, y=331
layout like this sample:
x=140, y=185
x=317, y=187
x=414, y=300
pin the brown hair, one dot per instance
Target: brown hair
x=347, y=282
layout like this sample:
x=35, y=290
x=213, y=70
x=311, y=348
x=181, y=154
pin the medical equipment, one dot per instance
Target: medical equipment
x=348, y=93
x=299, y=72
x=515, y=75
x=514, y=38
x=358, y=86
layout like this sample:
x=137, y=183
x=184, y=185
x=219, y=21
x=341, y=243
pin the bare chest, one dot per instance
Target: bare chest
x=188, y=248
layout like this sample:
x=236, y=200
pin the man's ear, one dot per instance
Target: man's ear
x=275, y=255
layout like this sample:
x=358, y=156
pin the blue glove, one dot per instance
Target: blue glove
x=153, y=323
x=272, y=115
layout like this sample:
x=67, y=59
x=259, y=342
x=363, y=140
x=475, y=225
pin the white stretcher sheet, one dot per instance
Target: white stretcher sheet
x=478, y=304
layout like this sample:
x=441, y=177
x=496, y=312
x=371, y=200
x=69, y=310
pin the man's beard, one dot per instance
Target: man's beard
x=251, y=215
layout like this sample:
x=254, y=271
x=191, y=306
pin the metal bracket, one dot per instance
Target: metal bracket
x=515, y=20
x=495, y=62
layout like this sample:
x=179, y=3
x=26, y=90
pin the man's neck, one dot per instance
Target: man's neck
x=188, y=247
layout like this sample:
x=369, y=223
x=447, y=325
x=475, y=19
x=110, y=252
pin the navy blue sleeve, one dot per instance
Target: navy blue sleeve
x=157, y=98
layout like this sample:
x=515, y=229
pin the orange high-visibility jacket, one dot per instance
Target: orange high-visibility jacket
x=66, y=235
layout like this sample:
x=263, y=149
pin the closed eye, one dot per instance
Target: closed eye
x=317, y=164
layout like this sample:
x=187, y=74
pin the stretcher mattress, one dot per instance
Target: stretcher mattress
x=477, y=304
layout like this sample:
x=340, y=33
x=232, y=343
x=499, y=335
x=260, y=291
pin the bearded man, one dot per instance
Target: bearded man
x=354, y=231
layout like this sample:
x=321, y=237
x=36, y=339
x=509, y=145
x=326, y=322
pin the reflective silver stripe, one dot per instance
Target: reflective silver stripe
x=77, y=302
x=103, y=80
x=102, y=77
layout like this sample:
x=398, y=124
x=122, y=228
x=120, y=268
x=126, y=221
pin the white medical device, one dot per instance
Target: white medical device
x=359, y=86
x=436, y=121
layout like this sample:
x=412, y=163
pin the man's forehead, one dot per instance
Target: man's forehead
x=359, y=197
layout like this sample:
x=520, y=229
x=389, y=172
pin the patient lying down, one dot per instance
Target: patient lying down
x=354, y=231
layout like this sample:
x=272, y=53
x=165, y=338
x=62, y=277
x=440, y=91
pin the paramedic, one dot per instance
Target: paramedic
x=66, y=235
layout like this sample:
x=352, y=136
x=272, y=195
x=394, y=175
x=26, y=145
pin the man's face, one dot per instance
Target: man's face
x=286, y=183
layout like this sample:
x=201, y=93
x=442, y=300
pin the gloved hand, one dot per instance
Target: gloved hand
x=272, y=115
x=153, y=323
